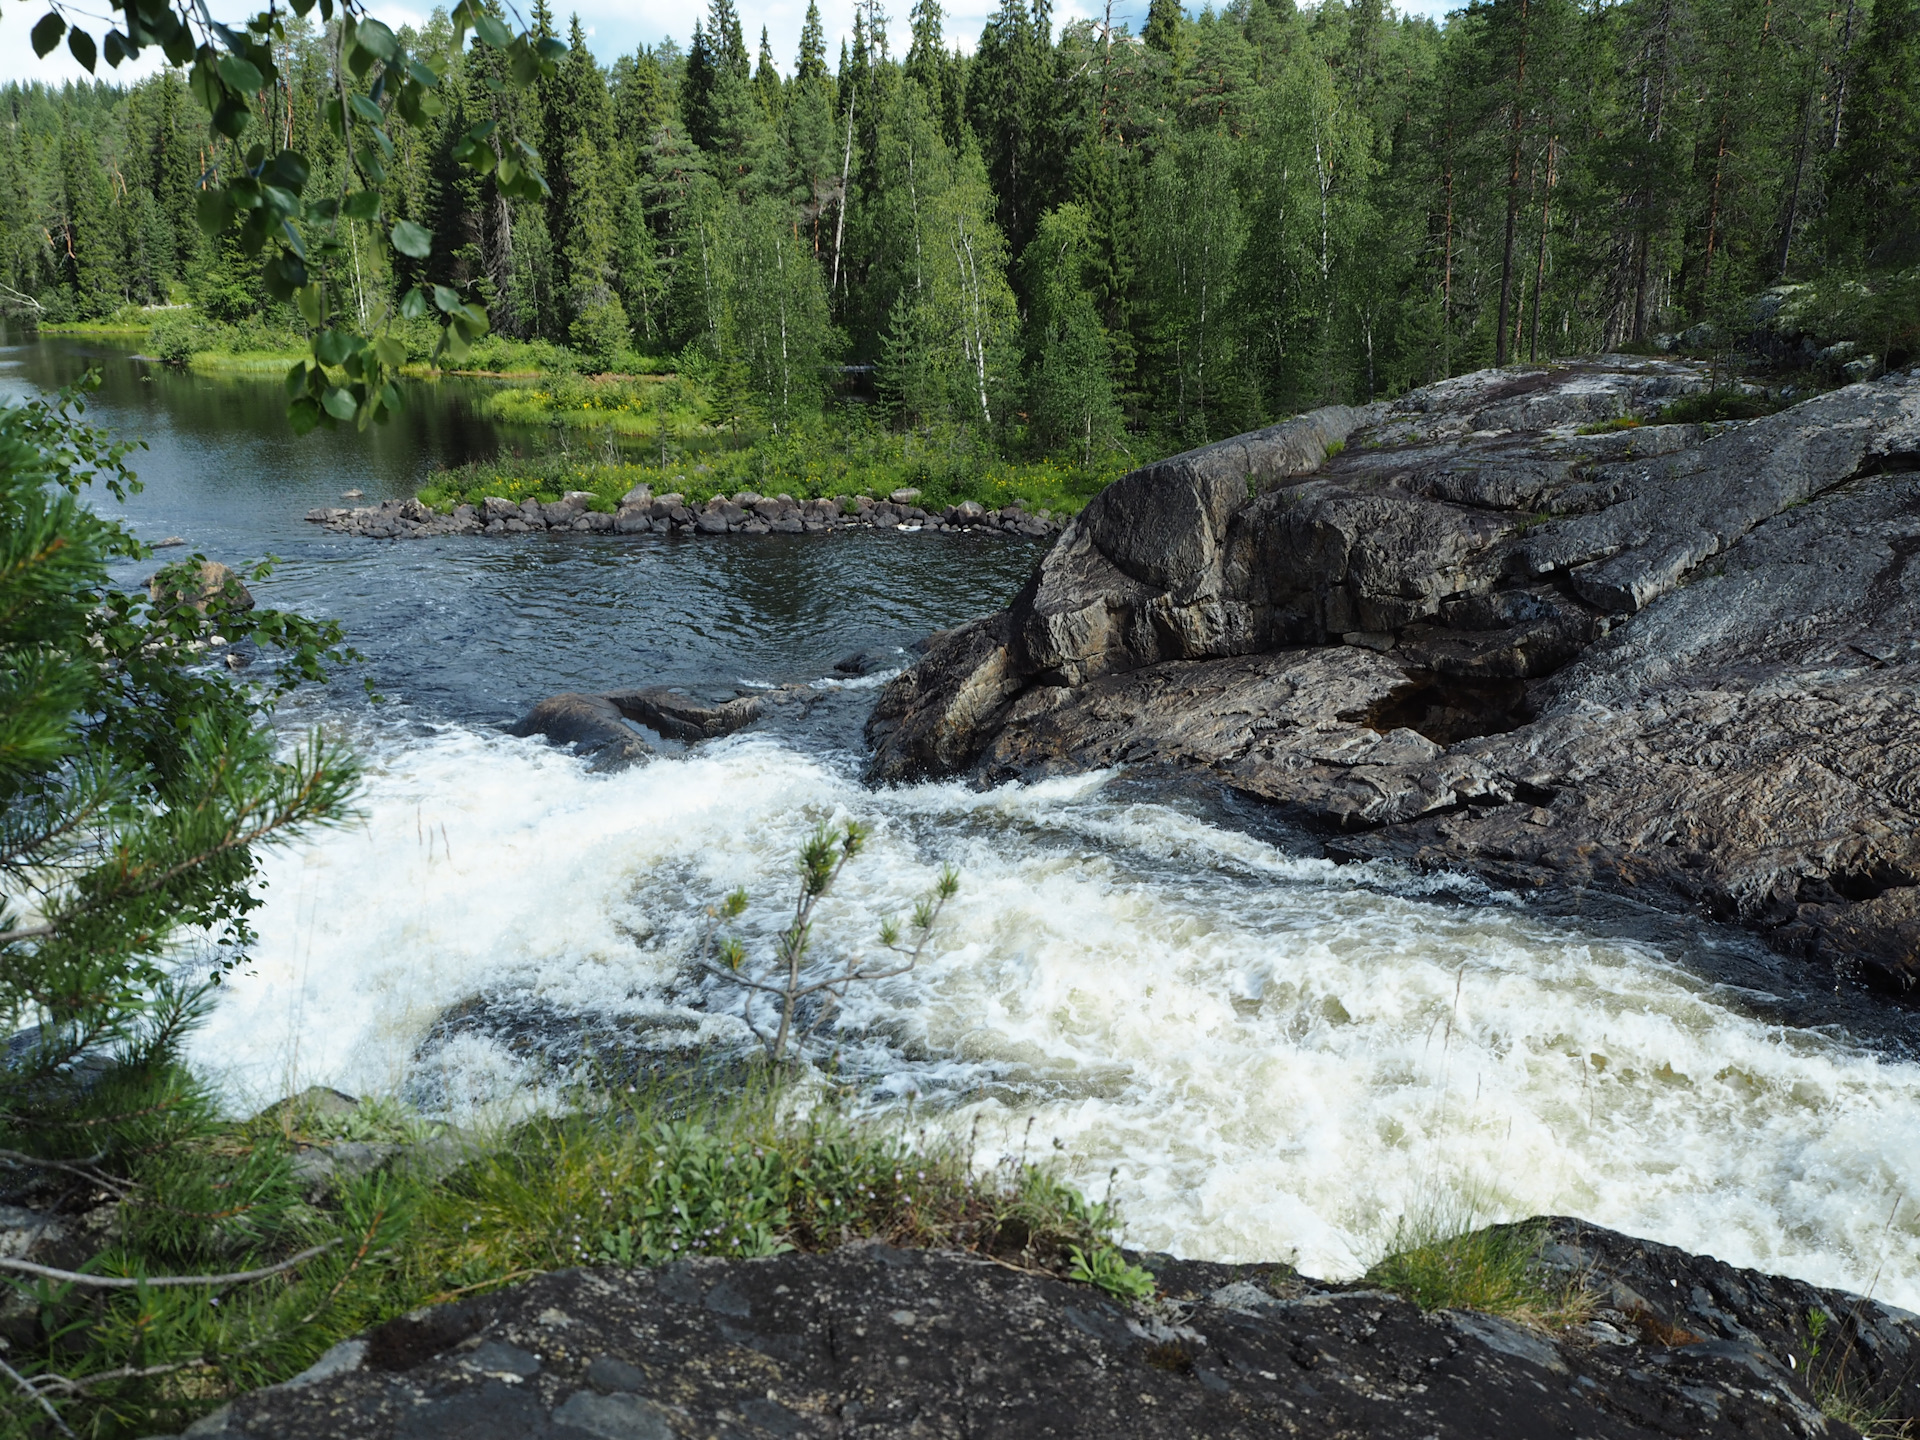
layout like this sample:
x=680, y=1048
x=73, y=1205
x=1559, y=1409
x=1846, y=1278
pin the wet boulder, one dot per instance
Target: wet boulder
x=592, y=725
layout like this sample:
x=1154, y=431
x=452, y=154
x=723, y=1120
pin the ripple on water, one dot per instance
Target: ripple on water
x=1279, y=1056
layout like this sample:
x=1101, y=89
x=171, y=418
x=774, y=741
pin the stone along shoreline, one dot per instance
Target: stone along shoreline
x=641, y=512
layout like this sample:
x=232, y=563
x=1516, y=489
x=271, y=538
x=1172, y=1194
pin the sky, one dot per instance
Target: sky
x=614, y=28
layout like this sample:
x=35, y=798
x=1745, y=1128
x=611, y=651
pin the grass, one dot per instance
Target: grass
x=832, y=458
x=1439, y=1259
x=623, y=1178
x=1713, y=406
x=1840, y=1396
x=1608, y=427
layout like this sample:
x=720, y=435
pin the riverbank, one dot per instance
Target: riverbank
x=640, y=512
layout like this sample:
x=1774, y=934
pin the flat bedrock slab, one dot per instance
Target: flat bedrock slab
x=1675, y=661
x=874, y=1341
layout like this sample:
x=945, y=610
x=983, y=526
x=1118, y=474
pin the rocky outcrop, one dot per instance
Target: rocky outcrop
x=874, y=1341
x=596, y=726
x=1507, y=624
x=641, y=512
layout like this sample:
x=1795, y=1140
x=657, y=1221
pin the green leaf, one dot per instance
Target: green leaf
x=303, y=415
x=414, y=305
x=80, y=43
x=297, y=379
x=47, y=32
x=447, y=300
x=411, y=239
x=377, y=38
x=489, y=28
x=391, y=350
x=330, y=347
x=241, y=75
x=366, y=109
x=309, y=302
x=211, y=208
x=117, y=48
x=339, y=403
x=290, y=170
x=363, y=205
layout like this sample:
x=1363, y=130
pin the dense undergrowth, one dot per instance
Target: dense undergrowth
x=623, y=1178
x=829, y=460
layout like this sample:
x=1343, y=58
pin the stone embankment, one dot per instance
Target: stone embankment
x=1508, y=624
x=879, y=1342
x=641, y=512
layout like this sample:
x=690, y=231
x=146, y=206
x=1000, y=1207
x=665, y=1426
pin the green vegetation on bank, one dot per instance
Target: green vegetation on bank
x=621, y=1178
x=845, y=460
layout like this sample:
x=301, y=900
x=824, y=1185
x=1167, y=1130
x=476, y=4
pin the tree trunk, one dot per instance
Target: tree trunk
x=1513, y=193
x=1540, y=268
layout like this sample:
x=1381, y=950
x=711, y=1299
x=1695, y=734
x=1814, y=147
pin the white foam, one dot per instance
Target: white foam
x=1279, y=1055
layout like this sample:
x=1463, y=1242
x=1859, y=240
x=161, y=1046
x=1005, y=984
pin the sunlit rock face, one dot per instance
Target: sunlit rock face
x=1508, y=623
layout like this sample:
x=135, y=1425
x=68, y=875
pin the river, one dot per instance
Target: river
x=1265, y=1056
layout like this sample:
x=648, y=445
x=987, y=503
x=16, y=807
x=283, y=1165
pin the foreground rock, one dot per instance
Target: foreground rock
x=1676, y=661
x=643, y=513
x=873, y=1341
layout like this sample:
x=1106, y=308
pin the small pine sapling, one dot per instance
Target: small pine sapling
x=790, y=977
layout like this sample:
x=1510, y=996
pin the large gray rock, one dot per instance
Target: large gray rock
x=1677, y=661
x=884, y=1343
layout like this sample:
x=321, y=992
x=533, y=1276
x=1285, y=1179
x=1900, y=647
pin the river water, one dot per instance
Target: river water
x=1265, y=1055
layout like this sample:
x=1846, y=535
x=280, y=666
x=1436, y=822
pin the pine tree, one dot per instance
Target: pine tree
x=1070, y=395
x=596, y=321
x=640, y=100
x=86, y=239
x=1876, y=201
x=1196, y=231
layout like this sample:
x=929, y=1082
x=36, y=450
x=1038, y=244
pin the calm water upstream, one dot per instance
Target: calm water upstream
x=1275, y=1056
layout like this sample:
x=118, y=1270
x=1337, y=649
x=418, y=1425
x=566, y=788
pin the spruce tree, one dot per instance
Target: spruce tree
x=811, y=63
x=767, y=87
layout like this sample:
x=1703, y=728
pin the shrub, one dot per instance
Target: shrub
x=1717, y=405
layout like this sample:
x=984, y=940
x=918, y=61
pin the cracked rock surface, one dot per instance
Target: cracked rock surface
x=1675, y=661
x=874, y=1341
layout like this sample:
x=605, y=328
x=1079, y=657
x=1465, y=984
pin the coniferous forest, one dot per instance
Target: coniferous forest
x=1063, y=239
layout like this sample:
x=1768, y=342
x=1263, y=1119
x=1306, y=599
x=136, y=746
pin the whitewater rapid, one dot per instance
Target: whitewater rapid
x=1273, y=1058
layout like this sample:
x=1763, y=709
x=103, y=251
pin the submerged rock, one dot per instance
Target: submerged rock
x=596, y=725
x=874, y=1341
x=590, y=724
x=1676, y=661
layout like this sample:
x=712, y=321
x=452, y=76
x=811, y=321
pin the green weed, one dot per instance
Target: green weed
x=1441, y=1261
